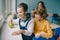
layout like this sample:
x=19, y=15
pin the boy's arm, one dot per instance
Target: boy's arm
x=11, y=20
x=30, y=28
x=27, y=32
x=15, y=21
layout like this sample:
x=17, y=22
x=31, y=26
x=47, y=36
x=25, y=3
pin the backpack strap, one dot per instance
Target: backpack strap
x=26, y=23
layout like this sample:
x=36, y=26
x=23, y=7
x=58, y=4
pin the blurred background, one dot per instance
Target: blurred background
x=9, y=6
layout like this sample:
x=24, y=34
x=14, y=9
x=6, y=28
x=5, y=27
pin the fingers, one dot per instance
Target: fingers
x=16, y=33
x=37, y=35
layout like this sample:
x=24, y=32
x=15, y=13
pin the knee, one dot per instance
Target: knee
x=52, y=38
x=41, y=38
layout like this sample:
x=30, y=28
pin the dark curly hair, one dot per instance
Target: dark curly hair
x=42, y=4
x=43, y=14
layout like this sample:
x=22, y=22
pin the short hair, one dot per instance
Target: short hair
x=24, y=5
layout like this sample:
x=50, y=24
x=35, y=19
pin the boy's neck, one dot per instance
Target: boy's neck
x=24, y=18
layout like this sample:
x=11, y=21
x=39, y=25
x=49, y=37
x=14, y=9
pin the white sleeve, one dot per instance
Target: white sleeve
x=15, y=21
x=30, y=28
x=8, y=18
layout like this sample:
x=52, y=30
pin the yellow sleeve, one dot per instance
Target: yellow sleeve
x=48, y=33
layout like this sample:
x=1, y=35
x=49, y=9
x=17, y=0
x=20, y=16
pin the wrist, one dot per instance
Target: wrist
x=23, y=31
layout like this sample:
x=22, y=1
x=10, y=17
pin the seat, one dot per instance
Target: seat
x=55, y=18
x=29, y=15
x=57, y=32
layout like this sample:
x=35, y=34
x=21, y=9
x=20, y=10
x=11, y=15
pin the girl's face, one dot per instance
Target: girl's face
x=38, y=17
x=21, y=12
x=32, y=14
x=40, y=5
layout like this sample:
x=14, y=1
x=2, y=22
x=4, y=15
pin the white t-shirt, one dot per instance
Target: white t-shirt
x=30, y=26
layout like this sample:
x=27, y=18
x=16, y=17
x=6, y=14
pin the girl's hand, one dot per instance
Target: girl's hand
x=42, y=33
x=58, y=38
x=39, y=34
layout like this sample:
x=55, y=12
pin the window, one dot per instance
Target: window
x=6, y=8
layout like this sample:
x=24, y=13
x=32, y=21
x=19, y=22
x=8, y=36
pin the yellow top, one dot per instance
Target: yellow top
x=43, y=26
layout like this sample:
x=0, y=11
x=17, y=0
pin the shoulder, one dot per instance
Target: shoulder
x=46, y=22
x=16, y=19
x=31, y=20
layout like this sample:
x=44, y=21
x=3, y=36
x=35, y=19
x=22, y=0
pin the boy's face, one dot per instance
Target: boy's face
x=20, y=12
x=38, y=17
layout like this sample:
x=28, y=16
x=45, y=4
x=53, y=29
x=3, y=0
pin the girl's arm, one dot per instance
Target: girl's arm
x=49, y=33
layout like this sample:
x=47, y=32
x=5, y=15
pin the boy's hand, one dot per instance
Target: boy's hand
x=10, y=18
x=16, y=32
